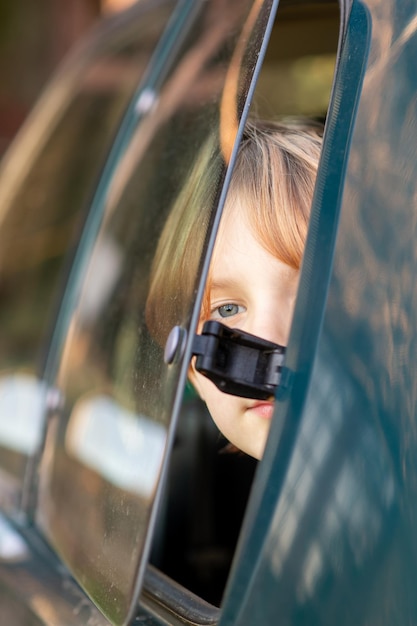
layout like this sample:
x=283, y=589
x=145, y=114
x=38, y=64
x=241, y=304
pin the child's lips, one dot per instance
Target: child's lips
x=263, y=409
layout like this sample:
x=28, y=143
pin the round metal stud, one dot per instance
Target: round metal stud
x=174, y=347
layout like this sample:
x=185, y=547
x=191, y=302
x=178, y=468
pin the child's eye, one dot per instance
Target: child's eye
x=228, y=310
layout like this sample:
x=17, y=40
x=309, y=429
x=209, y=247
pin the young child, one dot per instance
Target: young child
x=254, y=271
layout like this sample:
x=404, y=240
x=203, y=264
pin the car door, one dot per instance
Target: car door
x=111, y=402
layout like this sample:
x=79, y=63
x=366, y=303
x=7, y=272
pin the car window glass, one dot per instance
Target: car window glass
x=208, y=484
x=106, y=441
x=46, y=182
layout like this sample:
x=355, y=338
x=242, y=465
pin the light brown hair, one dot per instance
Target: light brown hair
x=274, y=173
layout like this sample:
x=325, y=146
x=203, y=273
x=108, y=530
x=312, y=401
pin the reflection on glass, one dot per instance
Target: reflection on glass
x=106, y=445
x=12, y=546
x=338, y=491
x=124, y=448
x=22, y=409
x=45, y=185
x=22, y=402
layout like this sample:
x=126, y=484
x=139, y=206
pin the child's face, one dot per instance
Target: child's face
x=255, y=292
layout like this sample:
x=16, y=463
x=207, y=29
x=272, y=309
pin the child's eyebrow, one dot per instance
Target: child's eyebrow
x=223, y=283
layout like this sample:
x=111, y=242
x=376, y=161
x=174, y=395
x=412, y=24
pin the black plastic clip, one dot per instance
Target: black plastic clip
x=238, y=363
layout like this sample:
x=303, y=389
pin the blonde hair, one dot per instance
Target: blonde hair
x=177, y=259
x=274, y=173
